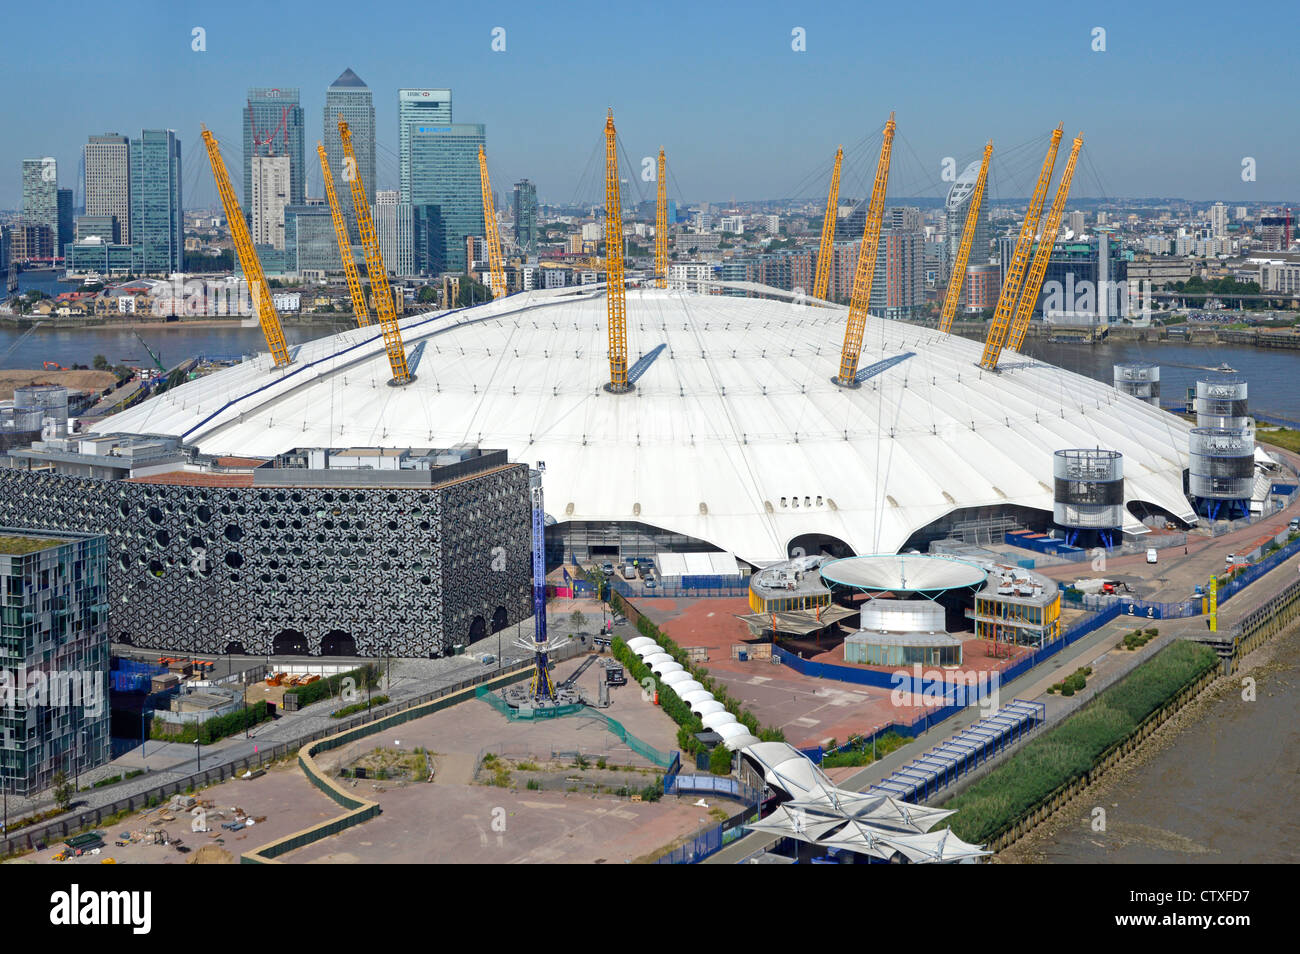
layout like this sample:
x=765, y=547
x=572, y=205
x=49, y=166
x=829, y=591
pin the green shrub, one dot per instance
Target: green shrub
x=720, y=760
x=359, y=707
x=996, y=802
x=213, y=729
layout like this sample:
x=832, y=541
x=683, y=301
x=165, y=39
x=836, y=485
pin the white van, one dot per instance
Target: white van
x=1152, y=555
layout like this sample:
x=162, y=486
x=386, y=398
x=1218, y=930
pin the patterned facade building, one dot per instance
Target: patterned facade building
x=265, y=558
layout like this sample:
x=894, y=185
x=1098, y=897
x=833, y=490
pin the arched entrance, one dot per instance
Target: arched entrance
x=477, y=629
x=289, y=642
x=337, y=642
x=499, y=619
x=815, y=544
x=235, y=648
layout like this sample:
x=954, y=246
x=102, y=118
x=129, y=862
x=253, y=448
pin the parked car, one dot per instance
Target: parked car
x=1152, y=555
x=608, y=569
x=1230, y=559
x=1294, y=525
x=650, y=581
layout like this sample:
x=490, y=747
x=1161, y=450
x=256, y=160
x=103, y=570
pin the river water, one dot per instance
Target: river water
x=1225, y=791
x=1271, y=374
x=175, y=341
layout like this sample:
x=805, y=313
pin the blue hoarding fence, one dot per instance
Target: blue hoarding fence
x=672, y=772
x=707, y=842
x=725, y=586
x=1253, y=573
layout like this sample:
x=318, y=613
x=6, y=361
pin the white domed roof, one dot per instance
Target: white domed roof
x=734, y=434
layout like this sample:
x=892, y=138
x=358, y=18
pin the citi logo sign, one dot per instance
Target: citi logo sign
x=74, y=907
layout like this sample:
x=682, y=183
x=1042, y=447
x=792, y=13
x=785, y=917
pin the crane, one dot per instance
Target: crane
x=865, y=273
x=345, y=246
x=1016, y=270
x=379, y=288
x=615, y=294
x=248, y=260
x=1034, y=281
x=157, y=358
x=967, y=239
x=827, y=251
x=490, y=229
x=661, y=225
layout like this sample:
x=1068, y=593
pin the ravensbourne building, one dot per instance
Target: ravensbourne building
x=347, y=551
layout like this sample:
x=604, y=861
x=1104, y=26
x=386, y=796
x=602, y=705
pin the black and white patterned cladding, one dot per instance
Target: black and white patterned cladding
x=408, y=572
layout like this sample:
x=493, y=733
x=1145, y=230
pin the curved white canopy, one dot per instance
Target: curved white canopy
x=738, y=742
x=715, y=719
x=706, y=706
x=697, y=695
x=676, y=677
x=684, y=687
x=638, y=641
x=653, y=659
x=736, y=434
x=731, y=730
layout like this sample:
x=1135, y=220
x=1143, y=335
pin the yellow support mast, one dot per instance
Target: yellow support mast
x=359, y=309
x=661, y=225
x=380, y=290
x=1016, y=270
x=827, y=251
x=248, y=259
x=615, y=294
x=490, y=229
x=1037, y=271
x=967, y=239
x=865, y=273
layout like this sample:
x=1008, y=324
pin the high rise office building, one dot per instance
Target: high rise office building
x=1076, y=223
x=420, y=107
x=270, y=195
x=108, y=180
x=956, y=208
x=350, y=98
x=65, y=234
x=526, y=217
x=310, y=245
x=157, y=237
x=273, y=126
x=445, y=186
x=393, y=229
x=41, y=193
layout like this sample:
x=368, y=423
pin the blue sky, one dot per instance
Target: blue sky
x=1183, y=92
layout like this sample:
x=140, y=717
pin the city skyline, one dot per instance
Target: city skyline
x=762, y=141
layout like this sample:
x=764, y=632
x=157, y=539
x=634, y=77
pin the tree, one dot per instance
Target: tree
x=62, y=790
x=100, y=363
x=578, y=621
x=426, y=294
x=472, y=292
x=720, y=760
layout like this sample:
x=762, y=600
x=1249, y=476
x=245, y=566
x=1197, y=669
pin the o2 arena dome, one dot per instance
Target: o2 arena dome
x=734, y=433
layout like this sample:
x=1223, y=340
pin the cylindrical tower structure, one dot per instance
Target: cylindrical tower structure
x=1221, y=402
x=1139, y=379
x=1221, y=474
x=1089, y=491
x=50, y=399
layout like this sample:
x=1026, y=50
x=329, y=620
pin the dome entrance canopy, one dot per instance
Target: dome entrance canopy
x=902, y=573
